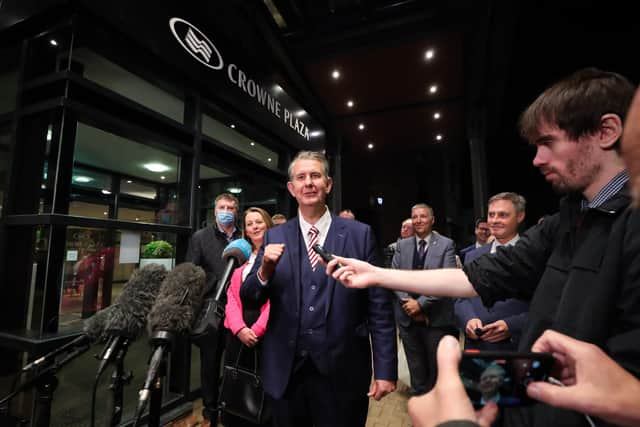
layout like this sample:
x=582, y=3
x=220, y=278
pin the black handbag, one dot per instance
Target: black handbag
x=242, y=394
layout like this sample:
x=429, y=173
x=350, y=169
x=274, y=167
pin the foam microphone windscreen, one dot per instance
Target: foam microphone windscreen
x=179, y=299
x=135, y=301
x=240, y=250
x=94, y=326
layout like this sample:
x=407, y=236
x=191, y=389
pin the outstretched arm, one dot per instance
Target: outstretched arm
x=445, y=282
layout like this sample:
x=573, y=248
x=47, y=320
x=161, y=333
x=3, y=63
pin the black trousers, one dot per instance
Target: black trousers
x=313, y=400
x=210, y=360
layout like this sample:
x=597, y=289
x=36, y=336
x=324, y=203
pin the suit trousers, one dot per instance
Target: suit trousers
x=312, y=400
x=210, y=361
x=420, y=346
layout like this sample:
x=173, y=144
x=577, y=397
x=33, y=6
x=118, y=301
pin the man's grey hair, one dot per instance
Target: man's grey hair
x=519, y=202
x=310, y=155
x=423, y=206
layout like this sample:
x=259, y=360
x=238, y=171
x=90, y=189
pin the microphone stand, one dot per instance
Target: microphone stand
x=46, y=383
x=118, y=380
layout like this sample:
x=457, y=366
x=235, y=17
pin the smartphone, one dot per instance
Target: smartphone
x=326, y=256
x=502, y=377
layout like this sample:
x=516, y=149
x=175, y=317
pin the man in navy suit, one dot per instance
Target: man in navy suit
x=316, y=359
x=423, y=321
x=482, y=233
x=501, y=325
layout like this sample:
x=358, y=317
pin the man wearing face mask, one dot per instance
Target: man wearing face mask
x=205, y=250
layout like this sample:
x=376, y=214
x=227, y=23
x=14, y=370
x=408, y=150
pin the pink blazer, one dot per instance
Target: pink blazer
x=233, y=311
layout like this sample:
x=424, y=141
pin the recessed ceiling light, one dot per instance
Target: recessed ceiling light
x=429, y=54
x=277, y=89
x=43, y=186
x=129, y=181
x=335, y=74
x=137, y=219
x=105, y=213
x=370, y=146
x=438, y=137
x=315, y=133
x=163, y=177
x=156, y=167
x=300, y=113
x=234, y=190
x=350, y=104
x=53, y=42
x=361, y=126
x=82, y=178
x=252, y=143
x=269, y=159
x=436, y=116
x=107, y=192
x=232, y=126
x=49, y=134
x=433, y=89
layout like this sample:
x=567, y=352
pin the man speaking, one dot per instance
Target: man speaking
x=317, y=348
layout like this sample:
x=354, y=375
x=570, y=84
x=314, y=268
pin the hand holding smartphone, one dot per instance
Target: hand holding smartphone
x=502, y=377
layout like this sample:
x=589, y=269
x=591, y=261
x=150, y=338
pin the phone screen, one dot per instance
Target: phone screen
x=502, y=377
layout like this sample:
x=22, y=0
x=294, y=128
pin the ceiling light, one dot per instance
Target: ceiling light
x=156, y=167
x=436, y=116
x=105, y=213
x=370, y=146
x=335, y=74
x=49, y=134
x=232, y=126
x=82, y=178
x=163, y=177
x=106, y=192
x=361, y=126
x=350, y=103
x=300, y=113
x=429, y=54
x=137, y=219
x=269, y=159
x=433, y=89
x=129, y=181
x=315, y=133
x=234, y=190
x=252, y=143
x=43, y=186
x=53, y=42
x=277, y=89
x=438, y=137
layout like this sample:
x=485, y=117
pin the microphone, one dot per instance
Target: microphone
x=234, y=255
x=92, y=330
x=173, y=312
x=126, y=321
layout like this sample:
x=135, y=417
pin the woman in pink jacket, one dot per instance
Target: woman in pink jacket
x=247, y=326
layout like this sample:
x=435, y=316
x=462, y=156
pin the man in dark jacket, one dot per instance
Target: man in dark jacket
x=205, y=250
x=580, y=268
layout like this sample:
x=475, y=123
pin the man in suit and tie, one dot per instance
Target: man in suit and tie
x=205, y=250
x=422, y=320
x=317, y=351
x=501, y=325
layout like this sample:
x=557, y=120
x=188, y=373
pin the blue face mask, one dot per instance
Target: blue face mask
x=225, y=218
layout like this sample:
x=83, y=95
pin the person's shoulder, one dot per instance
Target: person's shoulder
x=441, y=239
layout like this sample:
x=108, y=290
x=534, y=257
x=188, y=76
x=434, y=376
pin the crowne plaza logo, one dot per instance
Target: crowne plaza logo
x=196, y=43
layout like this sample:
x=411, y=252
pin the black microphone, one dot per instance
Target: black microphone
x=173, y=312
x=126, y=321
x=92, y=330
x=234, y=255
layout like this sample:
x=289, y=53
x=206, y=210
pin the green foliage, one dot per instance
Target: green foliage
x=158, y=249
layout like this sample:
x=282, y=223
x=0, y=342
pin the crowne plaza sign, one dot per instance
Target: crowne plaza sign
x=202, y=49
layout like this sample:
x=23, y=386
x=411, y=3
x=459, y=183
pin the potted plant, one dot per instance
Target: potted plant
x=158, y=252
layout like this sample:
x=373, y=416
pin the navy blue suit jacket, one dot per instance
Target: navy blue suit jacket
x=352, y=315
x=512, y=311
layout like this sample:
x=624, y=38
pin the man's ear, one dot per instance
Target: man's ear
x=520, y=217
x=329, y=184
x=610, y=131
x=290, y=188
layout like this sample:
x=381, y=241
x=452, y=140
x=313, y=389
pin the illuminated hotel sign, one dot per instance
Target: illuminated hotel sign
x=200, y=47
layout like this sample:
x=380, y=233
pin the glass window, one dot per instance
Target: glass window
x=235, y=140
x=104, y=72
x=144, y=178
x=98, y=263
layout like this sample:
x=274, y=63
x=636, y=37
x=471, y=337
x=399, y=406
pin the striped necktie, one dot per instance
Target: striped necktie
x=313, y=239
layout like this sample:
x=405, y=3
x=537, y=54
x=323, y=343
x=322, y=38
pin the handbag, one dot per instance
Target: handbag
x=208, y=321
x=242, y=393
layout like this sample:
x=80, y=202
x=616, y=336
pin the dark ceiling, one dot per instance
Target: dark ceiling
x=491, y=59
